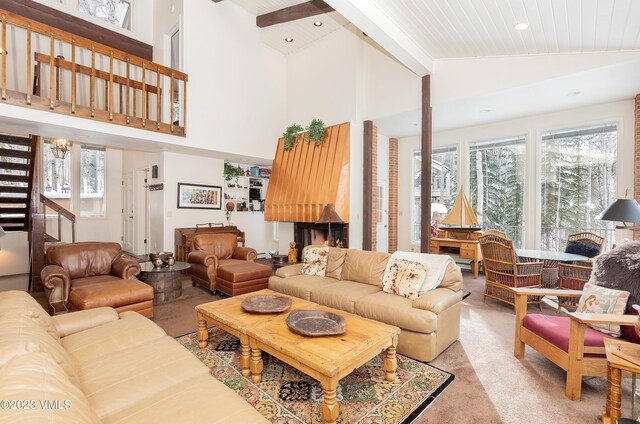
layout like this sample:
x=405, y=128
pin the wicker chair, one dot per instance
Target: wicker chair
x=589, y=238
x=502, y=270
x=495, y=232
x=572, y=277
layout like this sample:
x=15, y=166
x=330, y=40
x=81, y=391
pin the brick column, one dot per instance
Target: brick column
x=393, y=195
x=636, y=167
x=374, y=192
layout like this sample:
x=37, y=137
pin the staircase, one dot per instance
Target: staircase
x=17, y=165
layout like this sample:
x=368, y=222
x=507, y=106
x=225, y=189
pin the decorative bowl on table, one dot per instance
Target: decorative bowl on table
x=314, y=323
x=266, y=304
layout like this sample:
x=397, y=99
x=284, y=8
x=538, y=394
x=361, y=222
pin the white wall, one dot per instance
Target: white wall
x=237, y=101
x=621, y=113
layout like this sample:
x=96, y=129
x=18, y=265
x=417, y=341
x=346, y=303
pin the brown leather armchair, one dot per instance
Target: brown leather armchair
x=213, y=250
x=91, y=275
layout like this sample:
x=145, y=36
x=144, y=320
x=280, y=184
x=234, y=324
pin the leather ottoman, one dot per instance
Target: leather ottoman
x=236, y=279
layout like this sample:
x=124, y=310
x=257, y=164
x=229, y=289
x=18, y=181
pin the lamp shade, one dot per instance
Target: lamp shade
x=2, y=232
x=329, y=216
x=622, y=210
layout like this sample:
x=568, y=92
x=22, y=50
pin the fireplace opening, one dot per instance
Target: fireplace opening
x=310, y=234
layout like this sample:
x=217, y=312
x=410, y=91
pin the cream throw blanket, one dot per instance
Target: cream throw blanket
x=436, y=267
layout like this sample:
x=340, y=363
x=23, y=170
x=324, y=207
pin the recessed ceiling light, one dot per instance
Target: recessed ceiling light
x=317, y=23
x=289, y=39
x=573, y=93
x=485, y=111
x=521, y=27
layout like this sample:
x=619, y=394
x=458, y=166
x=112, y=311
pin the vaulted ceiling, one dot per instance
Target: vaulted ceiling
x=472, y=28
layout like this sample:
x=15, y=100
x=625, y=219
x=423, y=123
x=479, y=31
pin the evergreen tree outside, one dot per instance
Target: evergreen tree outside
x=497, y=185
x=578, y=181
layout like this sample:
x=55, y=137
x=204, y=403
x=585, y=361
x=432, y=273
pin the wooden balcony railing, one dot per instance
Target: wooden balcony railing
x=98, y=82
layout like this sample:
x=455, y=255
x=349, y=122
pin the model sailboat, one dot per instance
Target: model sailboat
x=461, y=222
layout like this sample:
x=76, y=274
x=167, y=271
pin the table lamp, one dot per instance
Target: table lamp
x=329, y=216
x=622, y=210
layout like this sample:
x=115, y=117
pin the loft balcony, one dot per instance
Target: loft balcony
x=48, y=69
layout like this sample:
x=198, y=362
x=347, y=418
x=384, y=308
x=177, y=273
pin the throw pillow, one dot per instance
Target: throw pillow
x=404, y=278
x=315, y=261
x=600, y=300
x=583, y=249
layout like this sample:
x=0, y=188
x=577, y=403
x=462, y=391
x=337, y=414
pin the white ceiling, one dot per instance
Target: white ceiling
x=472, y=28
x=302, y=31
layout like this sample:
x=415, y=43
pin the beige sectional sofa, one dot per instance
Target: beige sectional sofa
x=98, y=366
x=353, y=283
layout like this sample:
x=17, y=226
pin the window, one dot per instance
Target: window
x=578, y=181
x=496, y=174
x=57, y=177
x=117, y=12
x=444, y=182
x=92, y=200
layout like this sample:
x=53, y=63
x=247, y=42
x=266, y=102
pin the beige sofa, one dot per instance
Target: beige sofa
x=353, y=283
x=98, y=366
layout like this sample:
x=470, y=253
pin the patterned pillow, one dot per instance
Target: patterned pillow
x=600, y=300
x=315, y=261
x=404, y=278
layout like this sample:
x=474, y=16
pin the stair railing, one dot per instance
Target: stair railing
x=62, y=213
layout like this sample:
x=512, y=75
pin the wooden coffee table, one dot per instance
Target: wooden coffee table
x=326, y=359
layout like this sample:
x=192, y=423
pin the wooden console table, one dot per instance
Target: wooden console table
x=467, y=249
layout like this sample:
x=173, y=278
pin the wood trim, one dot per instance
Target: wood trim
x=367, y=186
x=293, y=13
x=69, y=23
x=393, y=195
x=425, y=176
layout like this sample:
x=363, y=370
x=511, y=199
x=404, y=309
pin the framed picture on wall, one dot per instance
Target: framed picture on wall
x=198, y=196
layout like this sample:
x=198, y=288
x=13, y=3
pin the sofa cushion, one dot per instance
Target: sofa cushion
x=130, y=330
x=222, y=245
x=335, y=262
x=555, y=330
x=364, y=267
x=113, y=292
x=21, y=305
x=299, y=286
x=127, y=377
x=34, y=377
x=396, y=310
x=452, y=278
x=188, y=402
x=342, y=295
x=84, y=259
x=23, y=336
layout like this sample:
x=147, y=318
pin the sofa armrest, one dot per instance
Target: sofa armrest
x=56, y=279
x=125, y=268
x=75, y=322
x=289, y=270
x=245, y=254
x=203, y=257
x=437, y=300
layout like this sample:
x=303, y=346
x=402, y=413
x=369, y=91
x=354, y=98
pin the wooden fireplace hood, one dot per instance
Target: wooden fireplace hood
x=306, y=178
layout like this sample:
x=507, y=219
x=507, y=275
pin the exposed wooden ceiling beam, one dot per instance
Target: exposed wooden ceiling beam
x=293, y=13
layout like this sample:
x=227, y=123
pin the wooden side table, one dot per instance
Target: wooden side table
x=621, y=356
x=166, y=281
x=279, y=261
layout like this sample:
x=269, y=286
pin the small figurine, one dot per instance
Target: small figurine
x=293, y=253
x=326, y=243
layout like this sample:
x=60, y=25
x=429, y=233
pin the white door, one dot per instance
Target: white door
x=382, y=216
x=128, y=225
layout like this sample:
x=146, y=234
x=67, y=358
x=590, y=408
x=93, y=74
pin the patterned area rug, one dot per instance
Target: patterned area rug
x=286, y=395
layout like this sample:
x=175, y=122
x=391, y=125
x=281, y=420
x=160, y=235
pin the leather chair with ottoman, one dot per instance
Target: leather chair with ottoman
x=91, y=275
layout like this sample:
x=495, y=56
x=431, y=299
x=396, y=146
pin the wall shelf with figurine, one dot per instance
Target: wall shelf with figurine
x=245, y=186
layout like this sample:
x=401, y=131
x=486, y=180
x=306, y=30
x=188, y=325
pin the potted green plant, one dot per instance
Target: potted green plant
x=290, y=136
x=316, y=132
x=230, y=171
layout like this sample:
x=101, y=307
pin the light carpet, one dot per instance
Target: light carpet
x=287, y=395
